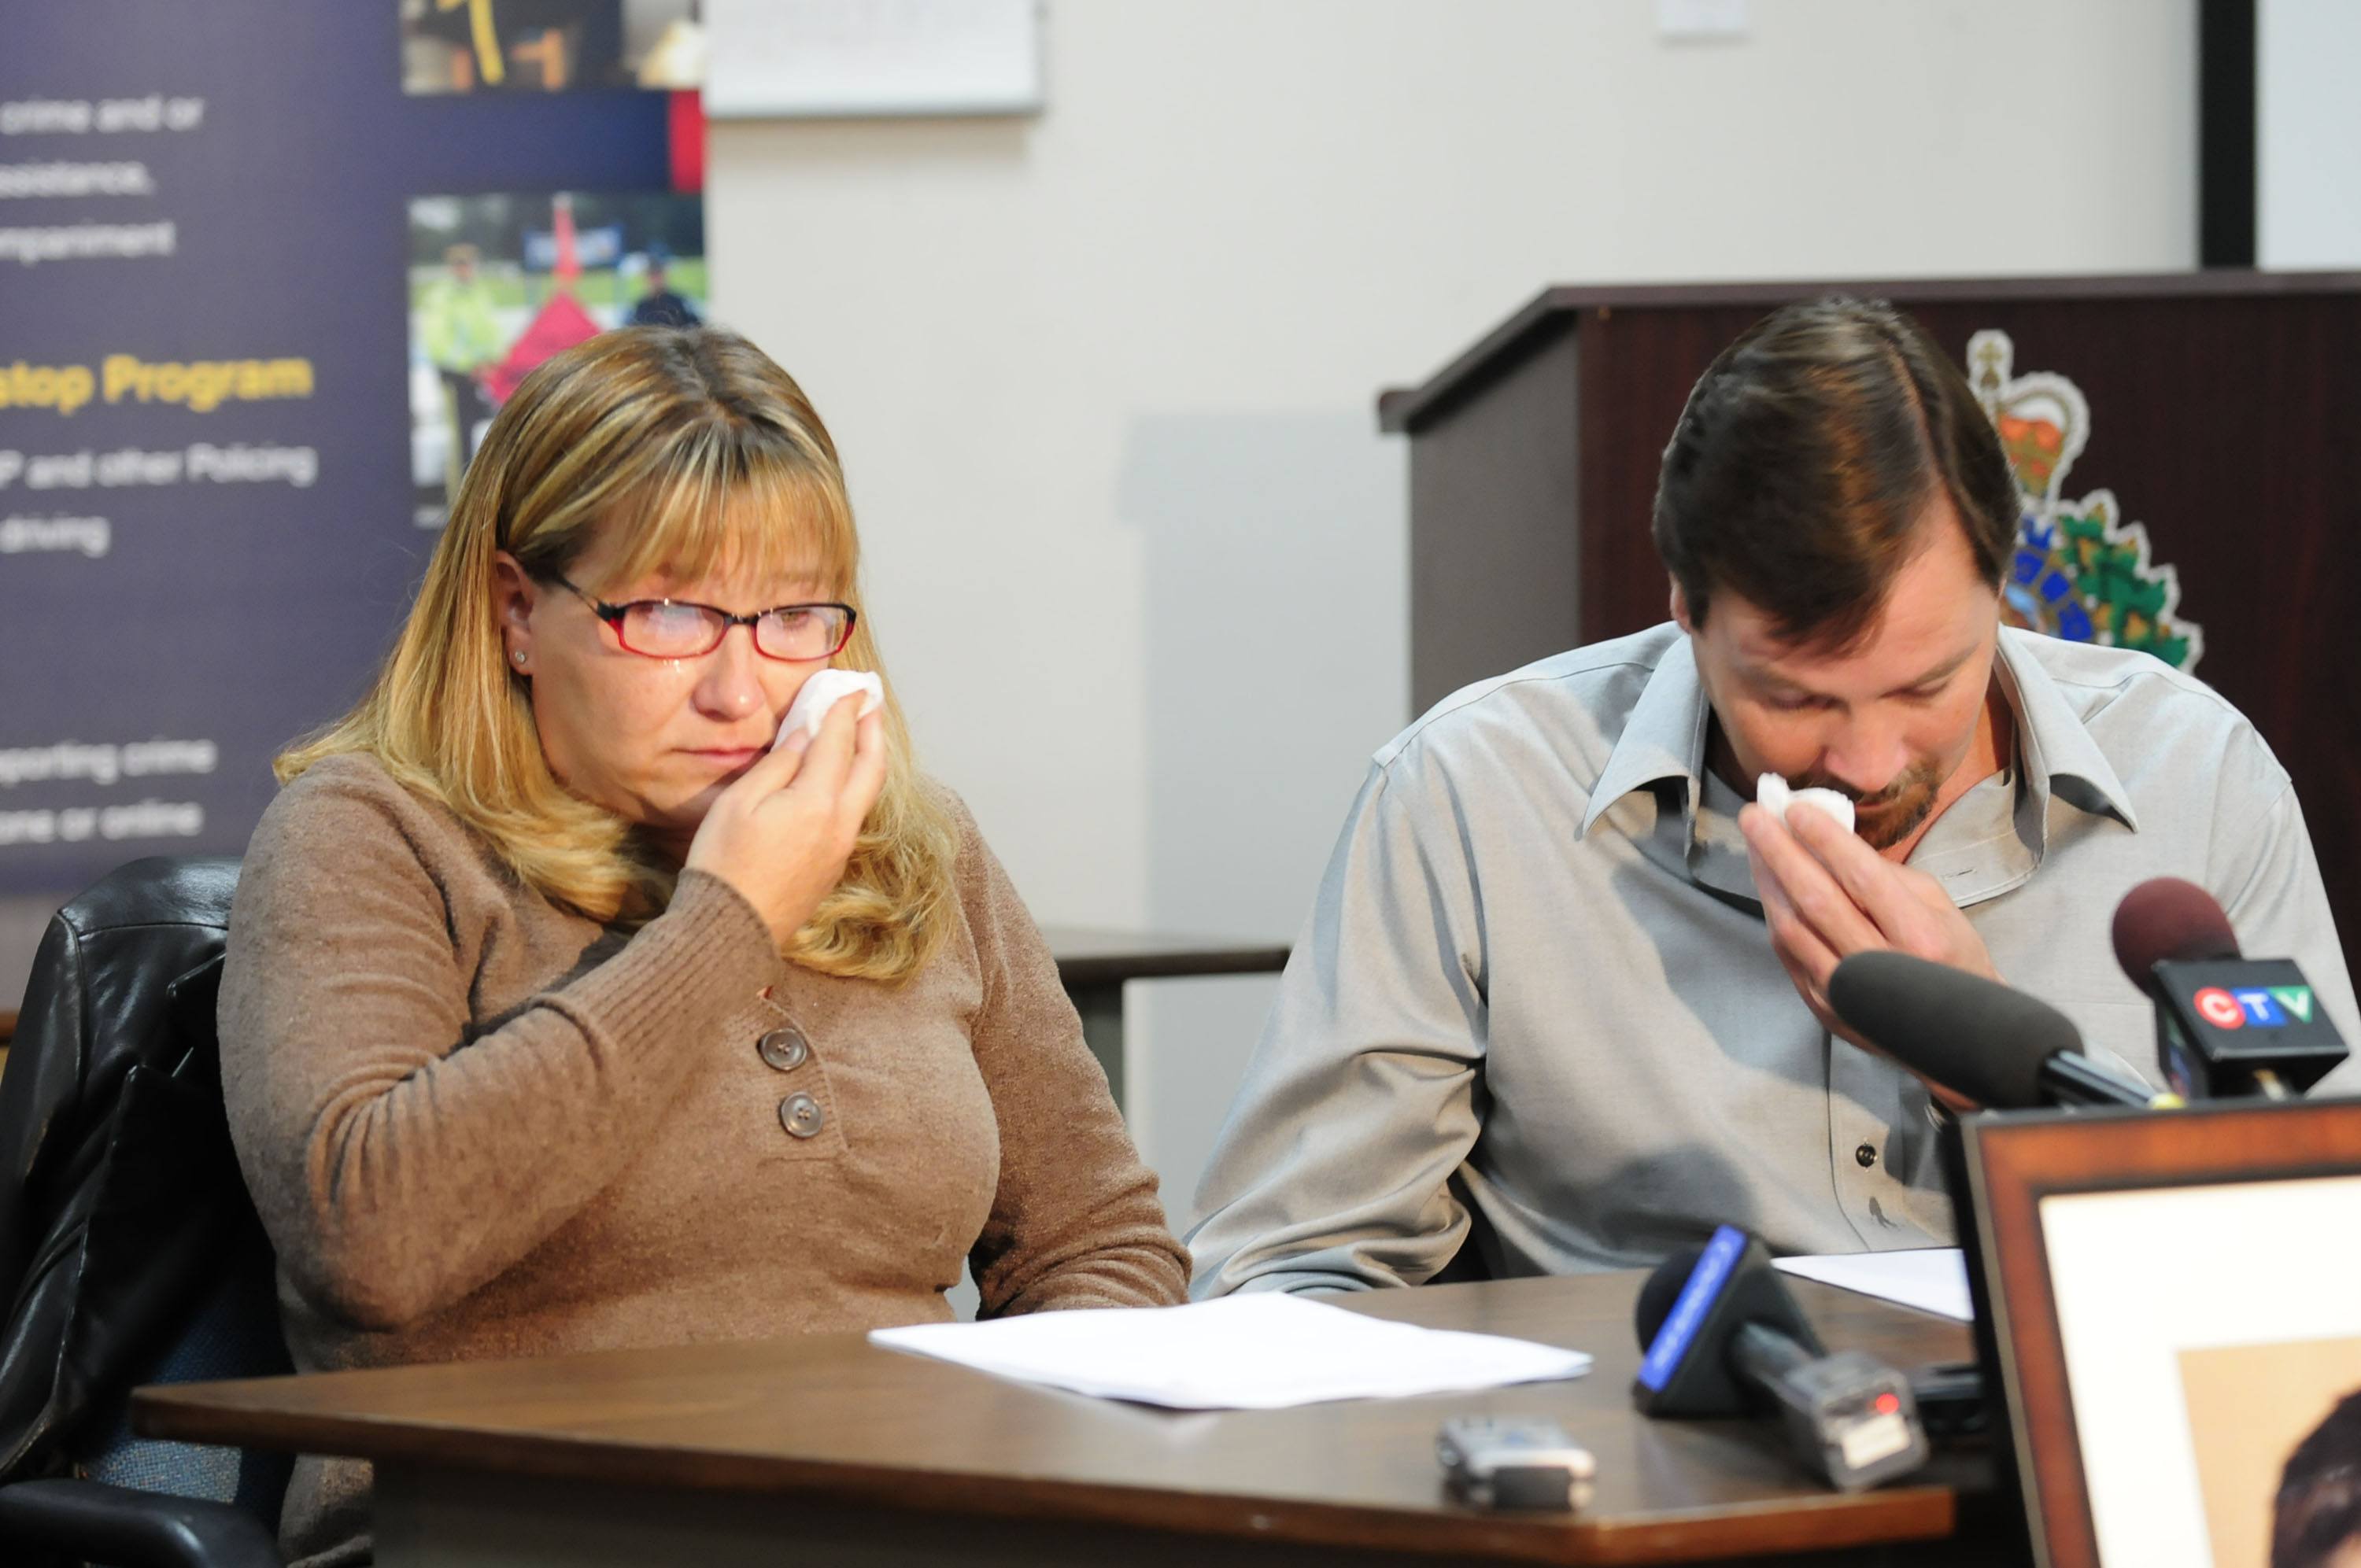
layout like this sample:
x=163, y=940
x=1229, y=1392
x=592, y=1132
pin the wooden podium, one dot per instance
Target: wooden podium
x=2224, y=414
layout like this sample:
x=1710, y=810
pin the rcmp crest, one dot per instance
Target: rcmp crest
x=2080, y=572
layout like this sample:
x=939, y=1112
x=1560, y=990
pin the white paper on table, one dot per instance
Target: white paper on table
x=1257, y=1351
x=1931, y=1278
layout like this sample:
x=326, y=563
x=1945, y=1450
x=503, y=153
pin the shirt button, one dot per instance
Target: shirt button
x=801, y=1115
x=784, y=1049
x=1865, y=1154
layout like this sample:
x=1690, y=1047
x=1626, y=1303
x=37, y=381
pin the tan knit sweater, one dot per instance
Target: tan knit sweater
x=478, y=1125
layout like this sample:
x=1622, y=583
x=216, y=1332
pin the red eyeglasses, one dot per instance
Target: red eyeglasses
x=676, y=629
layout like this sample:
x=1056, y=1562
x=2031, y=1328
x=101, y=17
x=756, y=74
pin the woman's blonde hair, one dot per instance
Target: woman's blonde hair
x=690, y=451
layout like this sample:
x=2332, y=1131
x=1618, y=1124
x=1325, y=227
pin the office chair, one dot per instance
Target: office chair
x=129, y=1252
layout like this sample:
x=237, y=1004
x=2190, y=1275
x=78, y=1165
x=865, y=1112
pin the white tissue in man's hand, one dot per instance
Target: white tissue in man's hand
x=1771, y=792
x=820, y=693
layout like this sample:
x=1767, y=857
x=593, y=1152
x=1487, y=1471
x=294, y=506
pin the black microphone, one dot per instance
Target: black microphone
x=2226, y=1024
x=1723, y=1337
x=1975, y=1036
x=2168, y=919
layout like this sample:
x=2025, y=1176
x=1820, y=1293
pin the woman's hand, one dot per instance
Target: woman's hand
x=782, y=834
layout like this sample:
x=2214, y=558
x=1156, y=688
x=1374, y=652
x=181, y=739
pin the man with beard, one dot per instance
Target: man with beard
x=1562, y=1002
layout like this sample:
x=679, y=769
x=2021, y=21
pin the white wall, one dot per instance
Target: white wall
x=1104, y=379
x=2307, y=126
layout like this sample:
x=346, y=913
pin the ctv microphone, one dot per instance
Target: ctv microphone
x=2225, y=1025
x=1723, y=1337
x=1976, y=1036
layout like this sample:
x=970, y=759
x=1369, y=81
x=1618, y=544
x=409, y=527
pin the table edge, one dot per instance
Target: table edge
x=1830, y=1520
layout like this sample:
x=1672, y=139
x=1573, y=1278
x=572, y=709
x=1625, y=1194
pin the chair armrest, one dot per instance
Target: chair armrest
x=94, y=1522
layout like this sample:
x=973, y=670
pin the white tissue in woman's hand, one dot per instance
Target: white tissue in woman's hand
x=820, y=693
x=1771, y=792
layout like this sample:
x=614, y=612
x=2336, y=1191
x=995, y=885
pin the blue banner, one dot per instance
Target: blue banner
x=221, y=442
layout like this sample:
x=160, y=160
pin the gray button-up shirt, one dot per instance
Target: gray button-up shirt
x=1536, y=1010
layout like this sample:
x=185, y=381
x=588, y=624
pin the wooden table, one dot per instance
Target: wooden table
x=1093, y=965
x=827, y=1449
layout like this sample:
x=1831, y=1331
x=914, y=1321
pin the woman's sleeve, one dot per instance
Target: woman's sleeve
x=1075, y=1221
x=398, y=1160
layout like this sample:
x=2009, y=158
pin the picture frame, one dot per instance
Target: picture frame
x=873, y=59
x=2164, y=1290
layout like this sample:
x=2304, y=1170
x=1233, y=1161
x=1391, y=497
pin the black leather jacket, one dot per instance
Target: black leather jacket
x=119, y=1195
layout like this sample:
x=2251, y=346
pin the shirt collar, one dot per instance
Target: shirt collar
x=1664, y=738
x=2054, y=746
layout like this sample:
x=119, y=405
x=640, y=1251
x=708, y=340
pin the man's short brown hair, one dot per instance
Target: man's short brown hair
x=1808, y=457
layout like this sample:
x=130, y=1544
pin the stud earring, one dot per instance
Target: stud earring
x=519, y=655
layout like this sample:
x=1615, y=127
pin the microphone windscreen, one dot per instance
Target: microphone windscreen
x=2166, y=919
x=1969, y=1034
x=1663, y=1289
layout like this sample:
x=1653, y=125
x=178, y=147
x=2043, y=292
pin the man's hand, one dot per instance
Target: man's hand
x=1828, y=895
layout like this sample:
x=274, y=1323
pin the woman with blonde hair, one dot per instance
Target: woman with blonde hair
x=563, y=1013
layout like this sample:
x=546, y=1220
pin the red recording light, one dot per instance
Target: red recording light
x=1888, y=1403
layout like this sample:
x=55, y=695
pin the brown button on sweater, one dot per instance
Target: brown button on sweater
x=478, y=1125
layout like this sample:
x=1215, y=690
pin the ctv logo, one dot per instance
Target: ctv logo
x=2265, y=1007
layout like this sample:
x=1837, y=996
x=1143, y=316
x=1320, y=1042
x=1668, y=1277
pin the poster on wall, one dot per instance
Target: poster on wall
x=499, y=282
x=229, y=235
x=550, y=46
